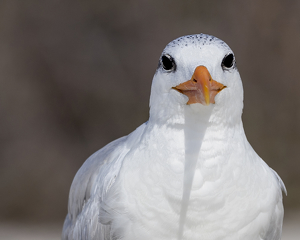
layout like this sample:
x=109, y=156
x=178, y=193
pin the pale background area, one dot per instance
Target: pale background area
x=75, y=75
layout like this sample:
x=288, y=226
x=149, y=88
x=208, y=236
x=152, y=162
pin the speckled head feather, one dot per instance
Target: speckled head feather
x=197, y=40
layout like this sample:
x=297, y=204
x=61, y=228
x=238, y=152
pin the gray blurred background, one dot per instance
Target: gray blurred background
x=76, y=75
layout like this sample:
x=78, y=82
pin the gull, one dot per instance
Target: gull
x=189, y=172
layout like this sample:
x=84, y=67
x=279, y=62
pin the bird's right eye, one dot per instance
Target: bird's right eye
x=168, y=63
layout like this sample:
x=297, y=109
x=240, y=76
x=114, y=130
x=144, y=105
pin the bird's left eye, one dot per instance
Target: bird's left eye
x=168, y=63
x=228, y=61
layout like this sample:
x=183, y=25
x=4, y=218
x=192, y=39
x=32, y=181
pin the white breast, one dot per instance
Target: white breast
x=234, y=195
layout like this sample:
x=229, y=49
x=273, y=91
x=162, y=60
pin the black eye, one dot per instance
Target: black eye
x=228, y=61
x=168, y=63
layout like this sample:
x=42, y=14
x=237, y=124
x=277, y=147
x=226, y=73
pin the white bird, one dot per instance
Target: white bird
x=189, y=172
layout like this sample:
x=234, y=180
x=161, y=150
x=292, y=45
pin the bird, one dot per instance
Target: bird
x=187, y=173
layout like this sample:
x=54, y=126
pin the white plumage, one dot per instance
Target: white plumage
x=189, y=172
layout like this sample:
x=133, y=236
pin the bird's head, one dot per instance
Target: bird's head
x=197, y=73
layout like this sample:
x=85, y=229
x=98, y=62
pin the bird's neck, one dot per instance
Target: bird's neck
x=194, y=133
x=197, y=122
x=195, y=115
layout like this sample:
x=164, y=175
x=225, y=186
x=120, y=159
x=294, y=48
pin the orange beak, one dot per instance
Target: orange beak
x=201, y=88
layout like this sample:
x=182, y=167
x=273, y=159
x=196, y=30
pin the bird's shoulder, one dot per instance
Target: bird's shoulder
x=279, y=180
x=94, y=179
x=84, y=180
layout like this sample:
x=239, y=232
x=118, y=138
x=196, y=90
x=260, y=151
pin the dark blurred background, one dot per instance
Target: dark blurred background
x=76, y=75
